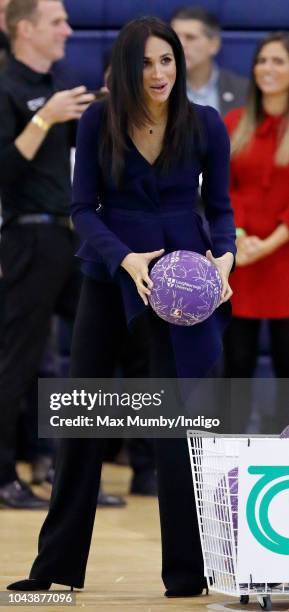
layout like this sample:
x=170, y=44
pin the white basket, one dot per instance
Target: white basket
x=215, y=463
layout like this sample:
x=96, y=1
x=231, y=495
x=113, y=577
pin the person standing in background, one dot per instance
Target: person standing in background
x=37, y=244
x=260, y=199
x=4, y=53
x=200, y=34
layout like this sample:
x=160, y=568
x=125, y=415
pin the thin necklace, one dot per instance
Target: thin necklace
x=151, y=130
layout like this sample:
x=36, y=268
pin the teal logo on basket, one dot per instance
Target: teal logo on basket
x=273, y=480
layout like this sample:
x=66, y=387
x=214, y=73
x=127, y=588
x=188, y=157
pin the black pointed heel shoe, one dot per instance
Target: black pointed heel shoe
x=194, y=591
x=31, y=584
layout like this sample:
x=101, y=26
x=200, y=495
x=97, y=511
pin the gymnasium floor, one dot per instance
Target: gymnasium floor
x=124, y=566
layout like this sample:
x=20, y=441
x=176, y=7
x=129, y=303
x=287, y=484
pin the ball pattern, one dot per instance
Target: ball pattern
x=187, y=288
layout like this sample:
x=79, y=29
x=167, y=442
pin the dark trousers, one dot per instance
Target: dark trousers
x=241, y=353
x=41, y=278
x=99, y=337
x=141, y=455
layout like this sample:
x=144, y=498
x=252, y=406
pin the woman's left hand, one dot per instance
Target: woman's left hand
x=252, y=249
x=224, y=266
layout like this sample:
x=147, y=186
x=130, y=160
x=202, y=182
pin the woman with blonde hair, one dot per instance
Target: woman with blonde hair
x=260, y=198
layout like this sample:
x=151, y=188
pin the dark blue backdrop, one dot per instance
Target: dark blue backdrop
x=96, y=23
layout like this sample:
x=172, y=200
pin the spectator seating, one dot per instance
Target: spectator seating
x=84, y=58
x=96, y=25
x=245, y=15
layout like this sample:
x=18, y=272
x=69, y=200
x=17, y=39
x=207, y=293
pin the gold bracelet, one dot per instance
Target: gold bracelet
x=41, y=123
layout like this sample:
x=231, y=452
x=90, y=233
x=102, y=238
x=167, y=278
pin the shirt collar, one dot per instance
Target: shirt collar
x=211, y=83
x=29, y=75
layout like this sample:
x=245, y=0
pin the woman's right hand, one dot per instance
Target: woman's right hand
x=137, y=266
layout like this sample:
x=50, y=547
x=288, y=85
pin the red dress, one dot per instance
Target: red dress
x=260, y=199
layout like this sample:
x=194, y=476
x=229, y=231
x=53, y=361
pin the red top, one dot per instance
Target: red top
x=260, y=199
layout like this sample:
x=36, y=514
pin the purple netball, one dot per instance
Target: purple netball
x=187, y=288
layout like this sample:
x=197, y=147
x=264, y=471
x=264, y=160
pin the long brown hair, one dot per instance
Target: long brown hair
x=126, y=106
x=254, y=112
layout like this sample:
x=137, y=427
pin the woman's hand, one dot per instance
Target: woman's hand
x=137, y=266
x=224, y=266
x=253, y=248
x=250, y=250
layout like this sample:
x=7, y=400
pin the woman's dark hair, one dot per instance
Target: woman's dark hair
x=126, y=106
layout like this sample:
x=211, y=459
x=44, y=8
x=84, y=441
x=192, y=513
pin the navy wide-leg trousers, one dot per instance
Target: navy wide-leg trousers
x=100, y=334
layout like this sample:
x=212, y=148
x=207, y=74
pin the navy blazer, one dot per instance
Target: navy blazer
x=150, y=211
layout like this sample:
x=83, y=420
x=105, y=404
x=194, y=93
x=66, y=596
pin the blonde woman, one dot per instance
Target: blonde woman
x=260, y=198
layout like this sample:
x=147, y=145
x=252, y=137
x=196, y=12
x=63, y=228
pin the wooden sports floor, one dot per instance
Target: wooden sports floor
x=124, y=566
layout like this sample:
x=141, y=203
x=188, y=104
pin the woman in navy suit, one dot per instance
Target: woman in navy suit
x=139, y=156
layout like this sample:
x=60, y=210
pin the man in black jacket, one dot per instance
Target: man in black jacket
x=38, y=245
x=200, y=34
